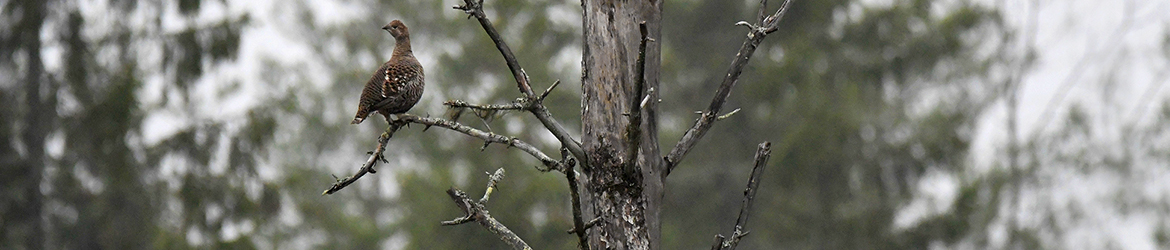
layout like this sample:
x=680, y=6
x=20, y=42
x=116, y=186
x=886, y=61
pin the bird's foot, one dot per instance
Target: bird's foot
x=396, y=119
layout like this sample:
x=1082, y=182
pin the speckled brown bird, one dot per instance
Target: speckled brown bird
x=398, y=84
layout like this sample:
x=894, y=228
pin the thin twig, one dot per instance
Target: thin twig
x=486, y=107
x=728, y=115
x=749, y=195
x=488, y=138
x=465, y=204
x=549, y=163
x=718, y=242
x=575, y=199
x=760, y=16
x=549, y=89
x=558, y=131
x=703, y=124
x=475, y=211
x=368, y=167
x=592, y=223
x=523, y=103
x=772, y=23
x=492, y=180
x=475, y=9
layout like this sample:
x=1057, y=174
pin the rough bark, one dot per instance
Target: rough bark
x=624, y=193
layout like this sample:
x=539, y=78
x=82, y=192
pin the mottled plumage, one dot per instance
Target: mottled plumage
x=398, y=84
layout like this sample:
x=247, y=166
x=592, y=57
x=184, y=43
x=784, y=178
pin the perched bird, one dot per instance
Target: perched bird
x=398, y=84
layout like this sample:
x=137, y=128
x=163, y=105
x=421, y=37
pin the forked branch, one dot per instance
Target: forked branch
x=548, y=163
x=474, y=8
x=756, y=35
x=749, y=194
x=579, y=225
x=475, y=211
x=368, y=167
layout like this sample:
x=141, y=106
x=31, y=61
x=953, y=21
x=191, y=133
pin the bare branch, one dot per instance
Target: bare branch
x=549, y=90
x=559, y=132
x=488, y=138
x=718, y=242
x=589, y=225
x=728, y=115
x=475, y=211
x=549, y=163
x=522, y=103
x=593, y=223
x=749, y=194
x=771, y=23
x=475, y=9
x=492, y=180
x=709, y=116
x=634, y=129
x=485, y=107
x=579, y=226
x=375, y=156
x=760, y=16
x=646, y=99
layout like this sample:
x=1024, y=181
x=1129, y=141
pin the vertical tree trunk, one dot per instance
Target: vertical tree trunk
x=626, y=193
x=40, y=109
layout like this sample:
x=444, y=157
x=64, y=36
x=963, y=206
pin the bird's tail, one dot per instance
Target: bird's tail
x=361, y=116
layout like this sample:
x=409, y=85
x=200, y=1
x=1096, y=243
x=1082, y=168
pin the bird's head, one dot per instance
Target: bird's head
x=397, y=29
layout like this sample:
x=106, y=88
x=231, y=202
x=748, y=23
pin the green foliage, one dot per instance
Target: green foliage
x=104, y=188
x=841, y=90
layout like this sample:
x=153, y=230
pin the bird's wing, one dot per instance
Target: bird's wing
x=395, y=77
x=389, y=80
x=385, y=102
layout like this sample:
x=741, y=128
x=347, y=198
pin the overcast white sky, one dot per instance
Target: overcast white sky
x=1077, y=42
x=1108, y=58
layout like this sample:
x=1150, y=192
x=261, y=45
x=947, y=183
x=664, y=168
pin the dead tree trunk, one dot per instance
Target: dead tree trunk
x=624, y=169
x=619, y=152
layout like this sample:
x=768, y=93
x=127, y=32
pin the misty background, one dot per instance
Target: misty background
x=946, y=124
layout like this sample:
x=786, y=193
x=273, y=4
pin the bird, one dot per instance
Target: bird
x=398, y=84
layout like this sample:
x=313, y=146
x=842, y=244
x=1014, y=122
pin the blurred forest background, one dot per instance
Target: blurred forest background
x=196, y=124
